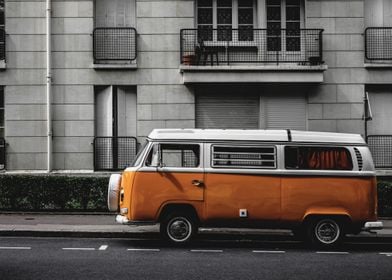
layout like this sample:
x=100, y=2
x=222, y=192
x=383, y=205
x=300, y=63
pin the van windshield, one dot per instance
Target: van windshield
x=139, y=154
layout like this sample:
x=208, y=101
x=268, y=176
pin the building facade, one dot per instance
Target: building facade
x=120, y=68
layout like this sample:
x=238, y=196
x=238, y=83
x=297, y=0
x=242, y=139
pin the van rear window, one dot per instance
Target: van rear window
x=243, y=157
x=318, y=158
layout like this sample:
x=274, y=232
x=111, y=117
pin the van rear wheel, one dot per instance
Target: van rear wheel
x=325, y=232
x=178, y=228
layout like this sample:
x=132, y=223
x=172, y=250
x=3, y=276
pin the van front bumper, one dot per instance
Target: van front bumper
x=124, y=221
x=373, y=226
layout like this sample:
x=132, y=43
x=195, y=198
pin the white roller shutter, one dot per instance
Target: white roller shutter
x=380, y=103
x=283, y=112
x=229, y=110
x=115, y=13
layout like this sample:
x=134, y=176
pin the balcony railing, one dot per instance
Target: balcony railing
x=2, y=44
x=378, y=43
x=114, y=153
x=381, y=148
x=251, y=46
x=2, y=153
x=114, y=44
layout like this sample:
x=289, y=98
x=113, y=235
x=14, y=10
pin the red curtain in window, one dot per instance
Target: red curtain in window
x=329, y=159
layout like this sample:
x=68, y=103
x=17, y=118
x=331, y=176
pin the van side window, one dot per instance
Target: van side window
x=318, y=158
x=174, y=155
x=243, y=157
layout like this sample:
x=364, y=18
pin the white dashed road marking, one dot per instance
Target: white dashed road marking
x=79, y=249
x=143, y=250
x=333, y=253
x=207, y=251
x=103, y=247
x=269, y=252
x=15, y=248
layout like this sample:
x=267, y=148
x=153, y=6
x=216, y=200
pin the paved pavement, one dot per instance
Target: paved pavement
x=104, y=225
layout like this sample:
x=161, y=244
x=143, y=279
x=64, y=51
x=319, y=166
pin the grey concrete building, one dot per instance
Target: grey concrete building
x=119, y=68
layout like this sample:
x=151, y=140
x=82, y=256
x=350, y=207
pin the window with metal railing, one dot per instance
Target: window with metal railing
x=243, y=157
x=378, y=43
x=114, y=153
x=114, y=44
x=198, y=47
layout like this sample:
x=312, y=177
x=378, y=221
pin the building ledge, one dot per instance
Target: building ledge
x=105, y=66
x=283, y=73
x=378, y=65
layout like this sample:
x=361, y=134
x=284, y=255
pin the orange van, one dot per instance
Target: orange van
x=321, y=185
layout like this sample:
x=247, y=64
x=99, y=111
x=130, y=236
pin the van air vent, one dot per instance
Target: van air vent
x=359, y=158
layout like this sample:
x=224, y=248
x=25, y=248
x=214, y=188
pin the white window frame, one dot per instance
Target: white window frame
x=234, y=10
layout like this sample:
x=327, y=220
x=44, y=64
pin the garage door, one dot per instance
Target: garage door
x=229, y=110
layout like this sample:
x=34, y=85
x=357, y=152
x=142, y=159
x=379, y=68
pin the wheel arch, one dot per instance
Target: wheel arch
x=178, y=207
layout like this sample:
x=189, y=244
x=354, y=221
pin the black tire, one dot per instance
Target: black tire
x=325, y=232
x=178, y=228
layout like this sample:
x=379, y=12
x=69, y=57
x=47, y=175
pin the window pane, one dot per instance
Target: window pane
x=204, y=3
x=204, y=16
x=2, y=117
x=224, y=3
x=1, y=132
x=293, y=13
x=245, y=33
x=317, y=158
x=293, y=2
x=273, y=2
x=224, y=33
x=174, y=155
x=245, y=3
x=273, y=13
x=224, y=16
x=293, y=44
x=245, y=16
x=204, y=32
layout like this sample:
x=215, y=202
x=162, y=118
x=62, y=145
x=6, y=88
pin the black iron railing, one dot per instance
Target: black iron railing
x=381, y=148
x=378, y=43
x=2, y=153
x=2, y=44
x=251, y=46
x=114, y=153
x=114, y=43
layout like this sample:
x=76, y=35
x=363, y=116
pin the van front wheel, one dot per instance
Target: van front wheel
x=178, y=228
x=325, y=232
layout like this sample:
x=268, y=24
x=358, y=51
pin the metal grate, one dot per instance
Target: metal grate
x=2, y=44
x=244, y=157
x=378, y=43
x=381, y=148
x=114, y=43
x=250, y=46
x=114, y=153
x=2, y=153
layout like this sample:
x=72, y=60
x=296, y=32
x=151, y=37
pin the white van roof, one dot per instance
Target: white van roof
x=256, y=135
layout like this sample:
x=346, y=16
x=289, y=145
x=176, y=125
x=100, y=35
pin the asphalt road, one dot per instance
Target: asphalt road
x=78, y=258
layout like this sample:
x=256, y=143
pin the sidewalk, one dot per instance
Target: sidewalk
x=104, y=225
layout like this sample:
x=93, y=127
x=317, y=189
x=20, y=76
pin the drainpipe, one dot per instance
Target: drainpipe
x=48, y=85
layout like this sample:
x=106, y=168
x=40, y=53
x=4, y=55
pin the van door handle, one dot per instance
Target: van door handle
x=197, y=183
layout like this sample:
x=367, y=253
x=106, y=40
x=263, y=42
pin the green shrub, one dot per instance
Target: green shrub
x=53, y=193
x=384, y=198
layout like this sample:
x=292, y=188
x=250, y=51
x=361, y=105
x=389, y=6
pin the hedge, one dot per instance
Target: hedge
x=53, y=193
x=89, y=193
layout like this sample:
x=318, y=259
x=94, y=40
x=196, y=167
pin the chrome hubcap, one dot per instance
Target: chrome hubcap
x=327, y=231
x=179, y=229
